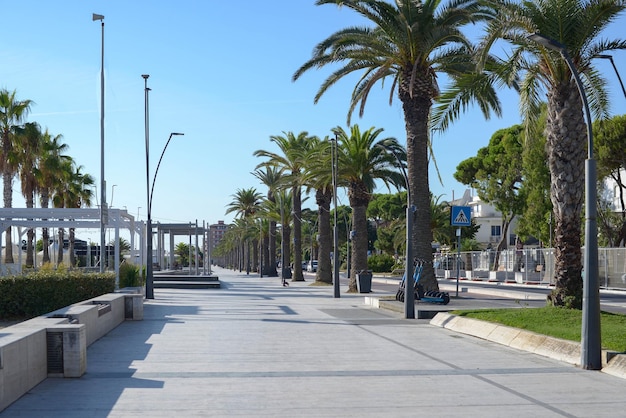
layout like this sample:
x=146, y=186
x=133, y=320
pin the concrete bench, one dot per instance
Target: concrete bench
x=55, y=344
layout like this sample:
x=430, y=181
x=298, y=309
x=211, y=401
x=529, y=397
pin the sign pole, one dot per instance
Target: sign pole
x=458, y=259
x=459, y=216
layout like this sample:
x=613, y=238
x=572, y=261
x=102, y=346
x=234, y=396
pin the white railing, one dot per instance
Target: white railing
x=531, y=265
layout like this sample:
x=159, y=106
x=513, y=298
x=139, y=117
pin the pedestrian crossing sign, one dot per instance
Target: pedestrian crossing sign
x=460, y=216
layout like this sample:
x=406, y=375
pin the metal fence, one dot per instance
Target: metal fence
x=532, y=265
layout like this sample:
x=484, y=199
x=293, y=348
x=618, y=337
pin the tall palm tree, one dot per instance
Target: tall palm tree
x=12, y=113
x=360, y=162
x=291, y=161
x=284, y=201
x=270, y=177
x=318, y=176
x=411, y=41
x=60, y=199
x=246, y=204
x=29, y=149
x=51, y=164
x=79, y=192
x=577, y=24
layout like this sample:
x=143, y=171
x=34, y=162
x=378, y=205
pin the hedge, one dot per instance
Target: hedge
x=45, y=291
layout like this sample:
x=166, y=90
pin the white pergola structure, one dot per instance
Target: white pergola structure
x=26, y=218
x=172, y=230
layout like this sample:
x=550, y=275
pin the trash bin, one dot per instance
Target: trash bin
x=287, y=272
x=364, y=281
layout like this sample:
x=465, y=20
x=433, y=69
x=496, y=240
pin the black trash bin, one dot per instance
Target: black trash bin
x=286, y=272
x=364, y=281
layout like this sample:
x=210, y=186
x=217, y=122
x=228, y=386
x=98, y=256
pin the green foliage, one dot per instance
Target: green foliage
x=130, y=276
x=45, y=291
x=182, y=252
x=380, y=263
x=556, y=322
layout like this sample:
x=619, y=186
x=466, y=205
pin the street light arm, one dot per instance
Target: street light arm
x=157, y=168
x=559, y=47
x=400, y=164
x=610, y=58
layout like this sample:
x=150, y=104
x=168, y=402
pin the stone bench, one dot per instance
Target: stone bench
x=55, y=344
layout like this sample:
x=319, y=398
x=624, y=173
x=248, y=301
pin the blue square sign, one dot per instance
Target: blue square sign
x=460, y=216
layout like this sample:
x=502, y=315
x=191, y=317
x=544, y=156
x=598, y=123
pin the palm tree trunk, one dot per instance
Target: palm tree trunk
x=359, y=244
x=71, y=250
x=7, y=178
x=45, y=236
x=324, y=268
x=60, y=248
x=271, y=266
x=566, y=157
x=297, y=235
x=416, y=113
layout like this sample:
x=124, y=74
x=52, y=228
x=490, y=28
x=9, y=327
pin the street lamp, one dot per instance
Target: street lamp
x=149, y=272
x=591, y=349
x=409, y=295
x=103, y=204
x=334, y=143
x=610, y=58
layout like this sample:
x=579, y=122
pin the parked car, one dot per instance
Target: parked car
x=304, y=265
x=311, y=266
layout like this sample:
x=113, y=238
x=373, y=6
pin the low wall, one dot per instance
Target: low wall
x=55, y=344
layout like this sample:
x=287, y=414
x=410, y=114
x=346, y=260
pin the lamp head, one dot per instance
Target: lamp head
x=177, y=133
x=605, y=56
x=145, y=76
x=95, y=16
x=547, y=42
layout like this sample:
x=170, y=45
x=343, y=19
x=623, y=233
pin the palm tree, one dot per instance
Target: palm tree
x=360, y=162
x=79, y=192
x=246, y=204
x=577, y=25
x=29, y=149
x=271, y=177
x=284, y=200
x=12, y=114
x=411, y=42
x=51, y=163
x=317, y=176
x=291, y=162
x=60, y=199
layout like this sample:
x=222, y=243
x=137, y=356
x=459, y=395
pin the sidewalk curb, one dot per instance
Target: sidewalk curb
x=555, y=348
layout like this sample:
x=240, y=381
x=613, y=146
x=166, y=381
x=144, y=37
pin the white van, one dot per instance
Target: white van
x=311, y=266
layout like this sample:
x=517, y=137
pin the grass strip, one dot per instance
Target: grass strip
x=555, y=322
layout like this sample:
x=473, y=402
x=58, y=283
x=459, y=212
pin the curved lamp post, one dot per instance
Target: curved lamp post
x=409, y=296
x=591, y=350
x=149, y=193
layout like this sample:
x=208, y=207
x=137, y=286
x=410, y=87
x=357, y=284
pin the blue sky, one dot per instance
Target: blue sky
x=220, y=72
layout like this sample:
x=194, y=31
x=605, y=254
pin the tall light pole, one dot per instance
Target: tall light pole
x=591, y=348
x=149, y=276
x=610, y=58
x=409, y=285
x=334, y=142
x=103, y=193
x=149, y=270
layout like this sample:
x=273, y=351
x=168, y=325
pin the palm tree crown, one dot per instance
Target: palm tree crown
x=577, y=25
x=411, y=41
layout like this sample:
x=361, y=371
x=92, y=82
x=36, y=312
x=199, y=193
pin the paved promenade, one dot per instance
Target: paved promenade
x=257, y=349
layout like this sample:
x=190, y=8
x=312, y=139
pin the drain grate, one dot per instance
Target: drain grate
x=54, y=347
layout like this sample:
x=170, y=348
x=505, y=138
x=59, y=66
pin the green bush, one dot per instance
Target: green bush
x=379, y=263
x=130, y=275
x=47, y=290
